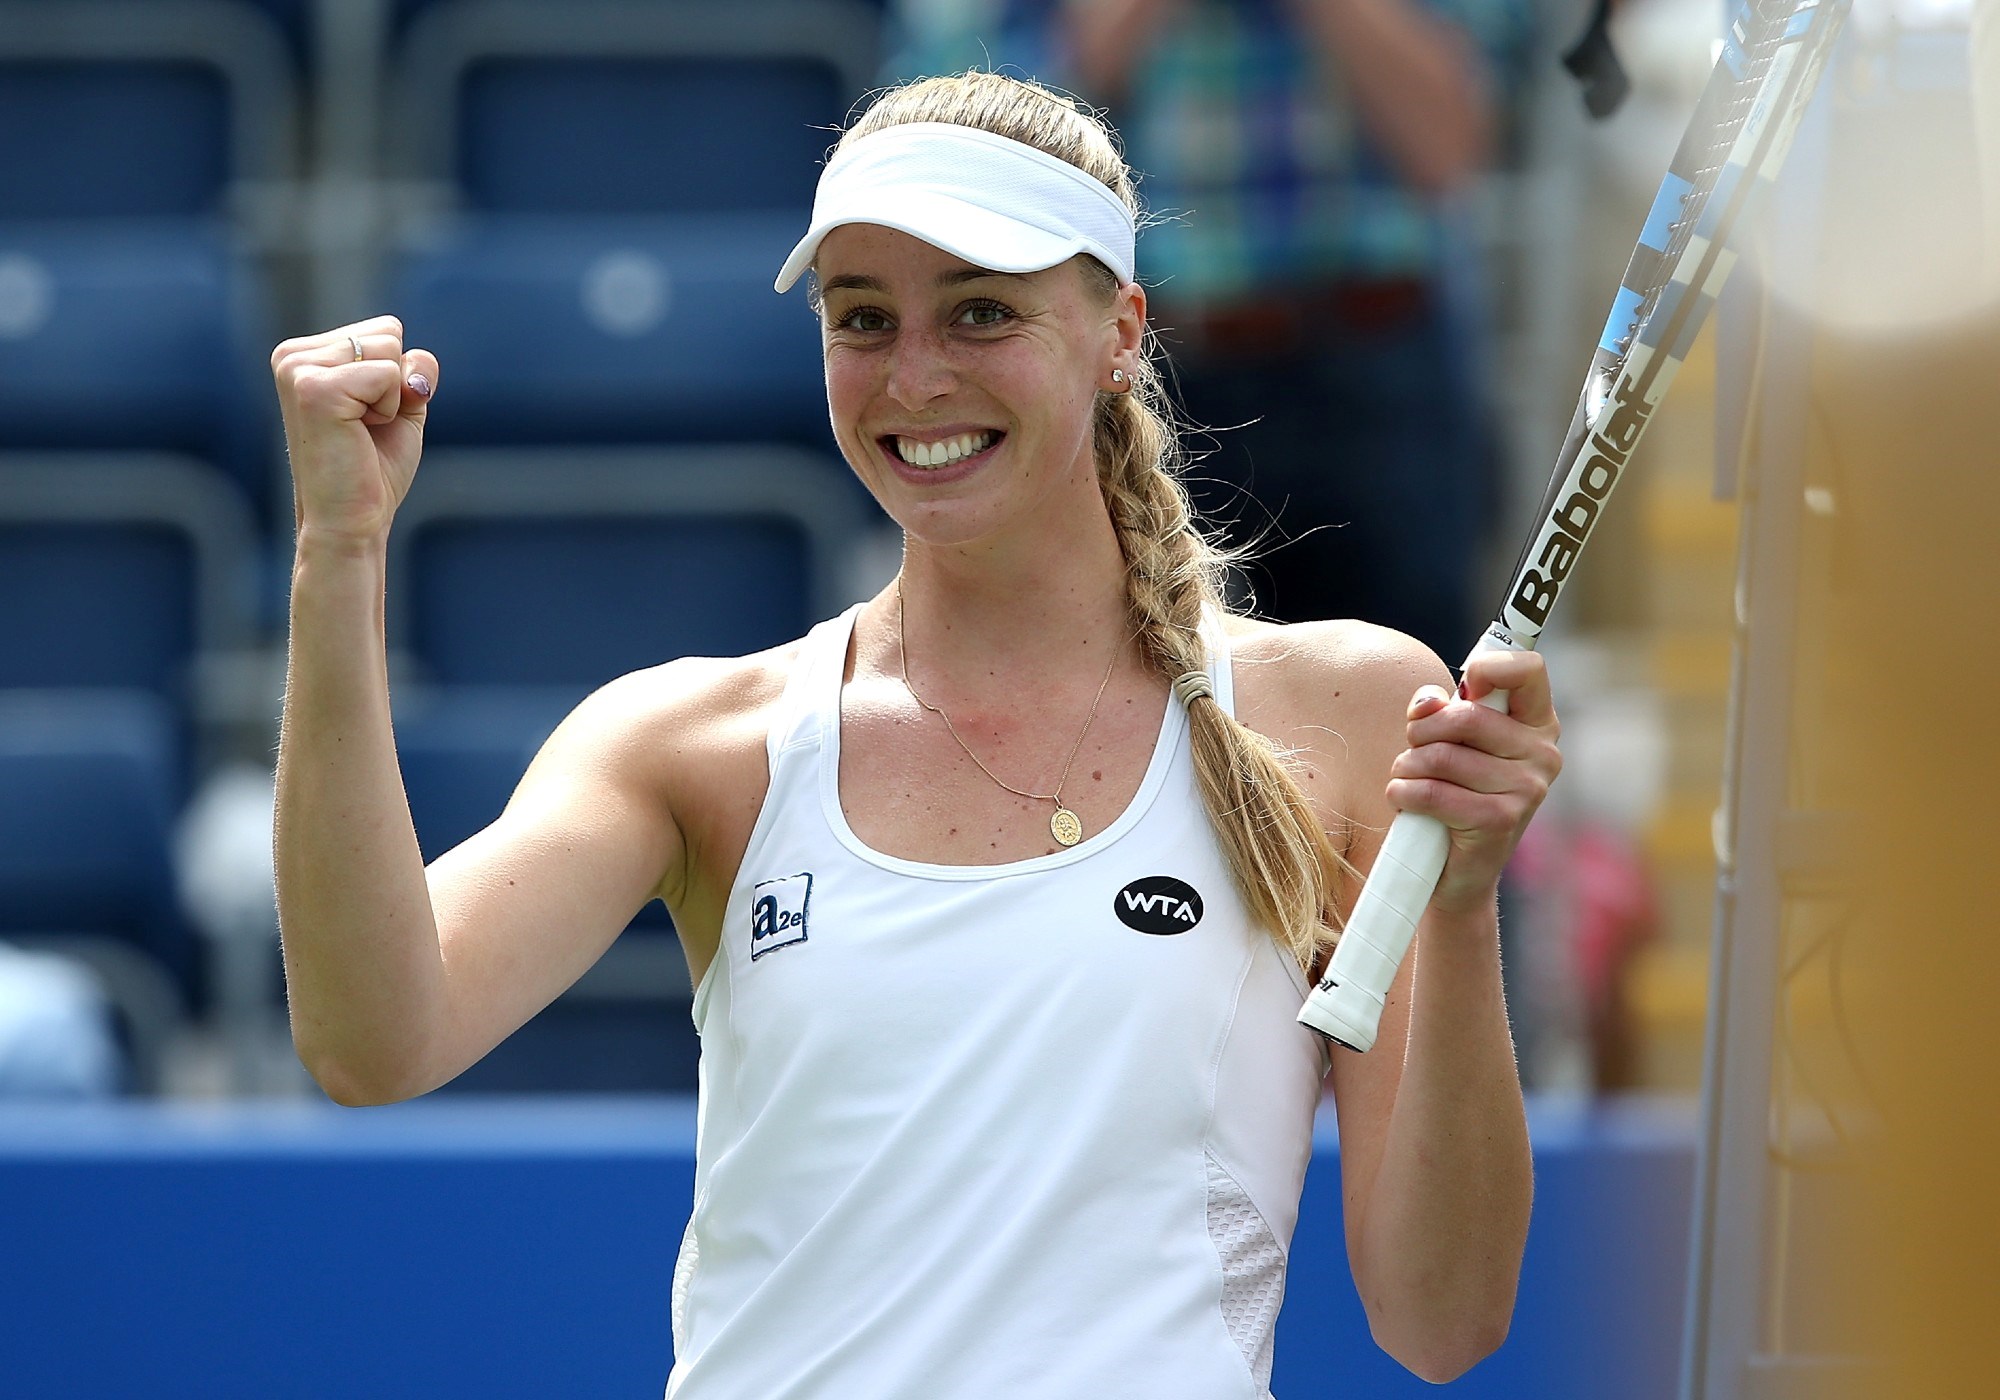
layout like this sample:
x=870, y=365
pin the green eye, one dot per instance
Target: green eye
x=985, y=313
x=865, y=319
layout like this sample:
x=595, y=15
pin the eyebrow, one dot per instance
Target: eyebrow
x=859, y=282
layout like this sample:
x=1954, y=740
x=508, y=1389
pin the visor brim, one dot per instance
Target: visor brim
x=980, y=236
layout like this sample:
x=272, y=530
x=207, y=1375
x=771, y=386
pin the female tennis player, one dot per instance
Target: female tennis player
x=1001, y=890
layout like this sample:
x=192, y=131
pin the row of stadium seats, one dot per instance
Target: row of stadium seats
x=176, y=108
x=515, y=590
x=578, y=208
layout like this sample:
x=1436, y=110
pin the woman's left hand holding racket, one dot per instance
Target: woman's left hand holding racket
x=1481, y=771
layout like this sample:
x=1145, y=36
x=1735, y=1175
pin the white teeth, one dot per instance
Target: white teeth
x=937, y=454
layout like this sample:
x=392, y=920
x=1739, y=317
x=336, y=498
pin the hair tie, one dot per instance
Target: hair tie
x=1194, y=686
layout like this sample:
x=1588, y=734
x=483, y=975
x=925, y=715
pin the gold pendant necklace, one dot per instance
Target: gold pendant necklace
x=1064, y=825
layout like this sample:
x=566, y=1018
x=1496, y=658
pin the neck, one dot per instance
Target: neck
x=982, y=615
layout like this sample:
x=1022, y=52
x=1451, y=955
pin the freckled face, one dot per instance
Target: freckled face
x=962, y=398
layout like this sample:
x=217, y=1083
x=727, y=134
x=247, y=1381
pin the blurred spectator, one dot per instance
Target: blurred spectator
x=1312, y=276
x=1586, y=891
x=1581, y=901
x=56, y=1040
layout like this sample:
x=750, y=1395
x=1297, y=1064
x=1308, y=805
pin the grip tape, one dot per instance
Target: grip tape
x=1346, y=1006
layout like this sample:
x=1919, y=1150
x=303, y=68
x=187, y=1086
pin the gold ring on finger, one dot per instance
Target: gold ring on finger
x=357, y=346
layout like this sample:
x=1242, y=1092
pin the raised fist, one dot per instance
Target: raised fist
x=354, y=402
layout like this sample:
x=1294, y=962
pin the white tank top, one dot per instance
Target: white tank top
x=989, y=1132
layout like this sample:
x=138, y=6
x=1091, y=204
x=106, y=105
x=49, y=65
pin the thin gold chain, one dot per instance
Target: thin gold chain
x=903, y=664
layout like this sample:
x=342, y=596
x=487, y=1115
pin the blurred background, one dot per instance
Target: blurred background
x=579, y=207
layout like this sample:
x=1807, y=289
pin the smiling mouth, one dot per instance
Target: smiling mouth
x=943, y=453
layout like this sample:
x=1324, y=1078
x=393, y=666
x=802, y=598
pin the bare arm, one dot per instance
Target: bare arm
x=362, y=969
x=1442, y=1177
x=1419, y=85
x=399, y=978
x=1436, y=1176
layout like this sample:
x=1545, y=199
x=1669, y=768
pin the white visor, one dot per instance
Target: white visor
x=996, y=203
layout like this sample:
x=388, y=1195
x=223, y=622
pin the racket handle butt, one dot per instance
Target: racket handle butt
x=1343, y=1013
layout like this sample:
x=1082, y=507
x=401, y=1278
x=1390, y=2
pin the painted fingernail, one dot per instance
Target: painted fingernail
x=420, y=386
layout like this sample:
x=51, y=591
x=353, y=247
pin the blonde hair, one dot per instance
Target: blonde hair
x=1284, y=863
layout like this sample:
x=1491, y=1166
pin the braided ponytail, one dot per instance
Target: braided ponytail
x=1285, y=865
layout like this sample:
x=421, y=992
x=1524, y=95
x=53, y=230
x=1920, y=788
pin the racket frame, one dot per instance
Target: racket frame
x=1629, y=376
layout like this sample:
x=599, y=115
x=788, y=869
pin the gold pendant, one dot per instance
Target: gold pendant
x=1065, y=827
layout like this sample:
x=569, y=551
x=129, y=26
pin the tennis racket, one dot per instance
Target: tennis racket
x=1771, y=60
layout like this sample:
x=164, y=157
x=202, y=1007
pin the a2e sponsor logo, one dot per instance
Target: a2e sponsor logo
x=778, y=911
x=1158, y=904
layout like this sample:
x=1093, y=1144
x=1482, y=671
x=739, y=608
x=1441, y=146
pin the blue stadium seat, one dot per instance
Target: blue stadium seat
x=462, y=750
x=87, y=804
x=576, y=599
x=520, y=581
x=567, y=567
x=120, y=572
x=615, y=330
x=594, y=107
x=300, y=22
x=97, y=603
x=623, y=180
x=128, y=334
x=730, y=134
x=166, y=127
x=134, y=136
x=140, y=108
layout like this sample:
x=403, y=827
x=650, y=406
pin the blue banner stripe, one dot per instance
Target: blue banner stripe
x=1800, y=23
x=1666, y=208
x=1620, y=320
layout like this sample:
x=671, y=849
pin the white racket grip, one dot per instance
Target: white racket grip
x=1346, y=1006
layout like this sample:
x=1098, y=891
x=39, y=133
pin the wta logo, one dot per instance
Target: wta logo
x=1562, y=536
x=1158, y=904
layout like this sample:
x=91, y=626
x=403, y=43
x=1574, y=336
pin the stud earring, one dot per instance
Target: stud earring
x=1117, y=376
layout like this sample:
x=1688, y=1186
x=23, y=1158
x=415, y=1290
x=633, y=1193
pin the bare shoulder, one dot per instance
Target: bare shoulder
x=696, y=720
x=1318, y=673
x=1336, y=695
x=688, y=709
x=687, y=739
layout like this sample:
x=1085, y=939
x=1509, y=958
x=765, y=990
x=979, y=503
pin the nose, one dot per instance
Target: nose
x=920, y=369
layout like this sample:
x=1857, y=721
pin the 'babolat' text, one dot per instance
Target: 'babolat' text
x=1569, y=525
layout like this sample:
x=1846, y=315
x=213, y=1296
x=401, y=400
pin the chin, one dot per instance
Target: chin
x=943, y=524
